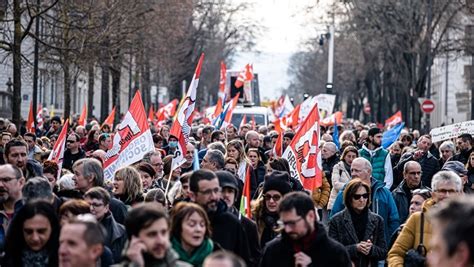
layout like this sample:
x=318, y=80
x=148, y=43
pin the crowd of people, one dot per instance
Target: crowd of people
x=374, y=207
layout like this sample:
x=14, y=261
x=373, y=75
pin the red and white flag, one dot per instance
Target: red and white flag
x=285, y=106
x=110, y=119
x=39, y=117
x=30, y=123
x=329, y=121
x=395, y=119
x=181, y=127
x=57, y=154
x=168, y=111
x=303, y=153
x=131, y=141
x=83, y=118
x=221, y=93
x=229, y=110
x=246, y=197
x=244, y=75
x=243, y=122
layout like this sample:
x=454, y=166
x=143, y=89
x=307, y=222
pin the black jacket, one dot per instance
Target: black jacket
x=116, y=236
x=429, y=166
x=462, y=156
x=328, y=165
x=33, y=169
x=228, y=231
x=324, y=251
x=69, y=158
x=250, y=229
x=402, y=200
x=342, y=229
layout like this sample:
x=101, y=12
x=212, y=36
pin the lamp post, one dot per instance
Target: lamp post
x=329, y=84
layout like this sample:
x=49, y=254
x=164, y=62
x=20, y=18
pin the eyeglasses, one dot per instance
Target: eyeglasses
x=70, y=141
x=446, y=191
x=208, y=192
x=268, y=197
x=289, y=223
x=96, y=205
x=358, y=196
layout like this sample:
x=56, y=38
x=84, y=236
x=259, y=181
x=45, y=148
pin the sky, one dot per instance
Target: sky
x=285, y=28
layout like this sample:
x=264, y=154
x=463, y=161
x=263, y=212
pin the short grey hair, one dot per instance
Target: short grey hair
x=217, y=146
x=367, y=164
x=408, y=164
x=148, y=155
x=331, y=145
x=217, y=157
x=447, y=176
x=447, y=145
x=91, y=168
x=37, y=188
x=250, y=133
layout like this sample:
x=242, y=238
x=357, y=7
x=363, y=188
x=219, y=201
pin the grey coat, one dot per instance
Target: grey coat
x=343, y=231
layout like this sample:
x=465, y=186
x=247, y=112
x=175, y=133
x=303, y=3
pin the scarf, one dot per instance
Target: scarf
x=270, y=221
x=34, y=258
x=198, y=255
x=360, y=220
x=347, y=167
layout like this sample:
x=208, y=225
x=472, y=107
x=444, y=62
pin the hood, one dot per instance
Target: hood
x=364, y=147
x=376, y=185
x=428, y=204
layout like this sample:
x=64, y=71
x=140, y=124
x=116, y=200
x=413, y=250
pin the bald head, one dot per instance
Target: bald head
x=252, y=139
x=362, y=169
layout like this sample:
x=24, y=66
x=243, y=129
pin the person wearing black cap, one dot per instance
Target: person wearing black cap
x=230, y=192
x=55, y=126
x=378, y=157
x=459, y=168
x=287, y=138
x=265, y=211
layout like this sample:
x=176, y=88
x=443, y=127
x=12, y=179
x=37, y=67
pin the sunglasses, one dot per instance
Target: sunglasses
x=358, y=196
x=70, y=141
x=274, y=197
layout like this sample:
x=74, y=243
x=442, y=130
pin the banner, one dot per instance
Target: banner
x=326, y=102
x=452, y=131
x=57, y=154
x=394, y=119
x=181, y=127
x=303, y=153
x=131, y=141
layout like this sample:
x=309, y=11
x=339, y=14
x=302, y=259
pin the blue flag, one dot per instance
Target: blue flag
x=196, y=160
x=335, y=135
x=390, y=136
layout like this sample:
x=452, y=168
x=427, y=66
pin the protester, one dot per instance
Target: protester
x=34, y=151
x=33, y=236
x=445, y=184
x=50, y=171
x=464, y=143
x=357, y=228
x=92, y=142
x=213, y=160
x=257, y=164
x=304, y=241
x=447, y=151
x=395, y=153
x=154, y=158
x=105, y=141
x=16, y=152
x=223, y=259
x=147, y=175
x=73, y=152
x=341, y=173
x=458, y=168
x=128, y=186
x=329, y=158
x=71, y=208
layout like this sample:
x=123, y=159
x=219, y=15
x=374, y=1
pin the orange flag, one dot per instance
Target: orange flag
x=246, y=197
x=83, y=118
x=221, y=94
x=57, y=154
x=395, y=119
x=30, y=123
x=110, y=119
x=151, y=113
x=244, y=121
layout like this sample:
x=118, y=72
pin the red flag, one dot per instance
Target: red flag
x=39, y=117
x=244, y=121
x=221, y=94
x=329, y=121
x=57, y=154
x=253, y=122
x=110, y=119
x=131, y=141
x=83, y=118
x=168, y=111
x=246, y=197
x=181, y=127
x=303, y=152
x=395, y=119
x=151, y=113
x=229, y=109
x=244, y=75
x=30, y=123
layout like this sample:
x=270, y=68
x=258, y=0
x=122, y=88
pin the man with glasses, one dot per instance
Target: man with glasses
x=99, y=200
x=73, y=151
x=304, y=241
x=226, y=228
x=403, y=193
x=11, y=184
x=445, y=184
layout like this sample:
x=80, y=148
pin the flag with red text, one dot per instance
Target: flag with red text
x=57, y=154
x=303, y=153
x=131, y=141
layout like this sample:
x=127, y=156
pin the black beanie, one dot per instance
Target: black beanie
x=289, y=135
x=374, y=131
x=278, y=181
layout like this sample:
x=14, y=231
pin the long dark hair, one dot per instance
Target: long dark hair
x=15, y=242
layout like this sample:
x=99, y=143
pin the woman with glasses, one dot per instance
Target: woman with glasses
x=265, y=211
x=357, y=228
x=33, y=237
x=191, y=233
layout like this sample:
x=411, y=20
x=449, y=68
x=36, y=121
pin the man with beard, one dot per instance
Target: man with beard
x=189, y=164
x=226, y=228
x=304, y=241
x=11, y=183
x=16, y=153
x=464, y=144
x=378, y=157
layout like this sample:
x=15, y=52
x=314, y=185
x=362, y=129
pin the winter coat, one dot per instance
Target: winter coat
x=320, y=195
x=171, y=259
x=409, y=238
x=328, y=165
x=33, y=169
x=116, y=236
x=324, y=251
x=381, y=164
x=462, y=156
x=342, y=230
x=340, y=176
x=382, y=204
x=250, y=229
x=403, y=201
x=429, y=166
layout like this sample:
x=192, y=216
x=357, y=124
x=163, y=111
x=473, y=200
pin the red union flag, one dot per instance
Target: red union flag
x=181, y=127
x=131, y=141
x=221, y=93
x=395, y=119
x=110, y=119
x=57, y=154
x=83, y=118
x=303, y=153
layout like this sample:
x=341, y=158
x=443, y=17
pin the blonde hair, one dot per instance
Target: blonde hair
x=132, y=184
x=239, y=146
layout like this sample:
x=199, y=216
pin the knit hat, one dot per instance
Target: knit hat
x=374, y=131
x=278, y=181
x=455, y=166
x=56, y=118
x=289, y=135
x=227, y=179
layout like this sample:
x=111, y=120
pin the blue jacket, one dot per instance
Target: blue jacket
x=382, y=204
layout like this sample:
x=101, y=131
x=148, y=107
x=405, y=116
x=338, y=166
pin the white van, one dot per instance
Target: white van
x=262, y=115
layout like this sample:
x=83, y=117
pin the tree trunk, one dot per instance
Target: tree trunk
x=67, y=90
x=90, y=90
x=16, y=101
x=116, y=73
x=104, y=90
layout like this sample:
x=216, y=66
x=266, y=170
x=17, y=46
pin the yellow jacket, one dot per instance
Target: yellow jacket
x=409, y=237
x=320, y=195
